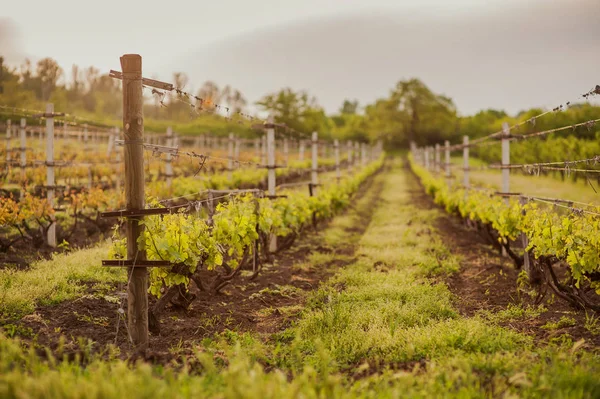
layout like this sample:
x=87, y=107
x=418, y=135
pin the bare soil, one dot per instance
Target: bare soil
x=488, y=282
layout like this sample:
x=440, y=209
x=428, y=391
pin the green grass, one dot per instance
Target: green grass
x=53, y=281
x=384, y=326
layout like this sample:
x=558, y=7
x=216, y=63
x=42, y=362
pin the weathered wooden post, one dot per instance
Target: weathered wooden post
x=437, y=158
x=356, y=153
x=314, y=170
x=427, y=160
x=86, y=136
x=336, y=147
x=50, y=183
x=23, y=150
x=169, y=159
x=133, y=127
x=525, y=242
x=363, y=154
x=350, y=152
x=466, y=168
x=8, y=132
x=447, y=160
x=271, y=156
x=286, y=152
x=236, y=152
x=111, y=143
x=230, y=144
x=271, y=170
x=505, y=166
x=263, y=150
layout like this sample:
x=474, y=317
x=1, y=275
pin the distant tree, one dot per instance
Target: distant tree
x=297, y=110
x=48, y=72
x=349, y=107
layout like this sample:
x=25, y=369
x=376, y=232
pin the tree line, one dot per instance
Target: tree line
x=410, y=112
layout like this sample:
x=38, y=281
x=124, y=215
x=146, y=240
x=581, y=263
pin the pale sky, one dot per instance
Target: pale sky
x=259, y=46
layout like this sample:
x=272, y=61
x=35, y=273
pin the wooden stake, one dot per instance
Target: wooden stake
x=505, y=170
x=271, y=172
x=236, y=152
x=51, y=238
x=525, y=242
x=363, y=154
x=230, y=144
x=271, y=157
x=437, y=159
x=257, y=149
x=111, y=144
x=169, y=159
x=427, y=161
x=22, y=134
x=133, y=127
x=336, y=147
x=466, y=168
x=8, y=131
x=447, y=159
x=86, y=136
x=350, y=152
x=263, y=150
x=314, y=177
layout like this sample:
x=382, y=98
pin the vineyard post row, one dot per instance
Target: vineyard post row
x=426, y=155
x=137, y=287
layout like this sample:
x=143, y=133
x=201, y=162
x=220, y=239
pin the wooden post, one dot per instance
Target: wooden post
x=314, y=178
x=271, y=171
x=23, y=150
x=356, y=153
x=271, y=157
x=111, y=143
x=350, y=152
x=257, y=149
x=447, y=159
x=363, y=154
x=50, y=183
x=505, y=158
x=286, y=153
x=8, y=131
x=336, y=147
x=236, y=152
x=437, y=159
x=505, y=163
x=65, y=133
x=466, y=168
x=169, y=159
x=230, y=156
x=133, y=127
x=86, y=137
x=301, y=151
x=525, y=242
x=427, y=160
x=263, y=150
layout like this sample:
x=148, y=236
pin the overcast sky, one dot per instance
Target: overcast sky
x=508, y=54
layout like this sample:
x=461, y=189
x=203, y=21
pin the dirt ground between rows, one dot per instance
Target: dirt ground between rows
x=265, y=305
x=270, y=303
x=488, y=282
